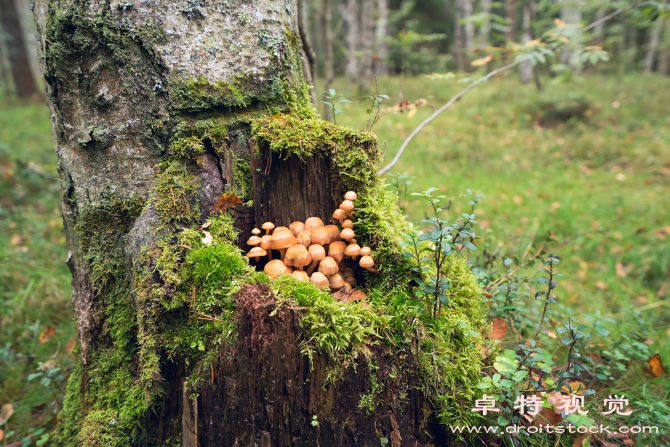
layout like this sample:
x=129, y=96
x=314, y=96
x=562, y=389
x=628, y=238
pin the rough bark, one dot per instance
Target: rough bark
x=10, y=23
x=381, y=31
x=154, y=107
x=367, y=43
x=309, y=55
x=526, y=69
x=328, y=70
x=468, y=30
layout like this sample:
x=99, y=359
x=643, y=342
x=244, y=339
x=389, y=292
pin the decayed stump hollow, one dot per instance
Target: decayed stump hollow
x=263, y=391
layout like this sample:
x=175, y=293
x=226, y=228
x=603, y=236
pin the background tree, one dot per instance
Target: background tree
x=10, y=23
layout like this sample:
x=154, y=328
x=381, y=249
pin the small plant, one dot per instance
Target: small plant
x=315, y=421
x=402, y=183
x=331, y=95
x=375, y=106
x=433, y=249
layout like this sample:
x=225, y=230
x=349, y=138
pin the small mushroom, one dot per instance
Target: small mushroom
x=300, y=275
x=280, y=229
x=336, y=281
x=318, y=253
x=347, y=206
x=340, y=215
x=297, y=256
x=255, y=231
x=365, y=251
x=275, y=268
x=350, y=196
x=353, y=241
x=328, y=266
x=319, y=279
x=333, y=232
x=282, y=240
x=347, y=234
x=305, y=238
x=352, y=250
x=346, y=287
x=296, y=227
x=351, y=280
x=368, y=264
x=320, y=235
x=254, y=240
x=256, y=253
x=313, y=222
x=347, y=224
x=265, y=245
x=336, y=250
x=267, y=226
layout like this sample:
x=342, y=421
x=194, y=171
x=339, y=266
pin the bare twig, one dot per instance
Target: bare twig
x=475, y=83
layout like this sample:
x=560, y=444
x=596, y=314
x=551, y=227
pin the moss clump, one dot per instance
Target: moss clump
x=174, y=194
x=187, y=149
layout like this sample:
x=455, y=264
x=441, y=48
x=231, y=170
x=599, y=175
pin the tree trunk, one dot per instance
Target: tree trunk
x=367, y=42
x=351, y=17
x=328, y=71
x=664, y=56
x=571, y=14
x=458, y=35
x=381, y=31
x=469, y=32
x=599, y=30
x=485, y=29
x=650, y=56
x=307, y=51
x=526, y=69
x=176, y=125
x=10, y=23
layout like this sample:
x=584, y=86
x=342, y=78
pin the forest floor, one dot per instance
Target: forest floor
x=587, y=162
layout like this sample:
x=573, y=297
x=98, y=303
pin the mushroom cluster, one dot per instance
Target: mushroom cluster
x=313, y=251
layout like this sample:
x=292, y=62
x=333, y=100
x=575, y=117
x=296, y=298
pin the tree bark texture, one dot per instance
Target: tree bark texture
x=351, y=18
x=526, y=69
x=153, y=108
x=328, y=42
x=381, y=32
x=654, y=37
x=367, y=43
x=10, y=22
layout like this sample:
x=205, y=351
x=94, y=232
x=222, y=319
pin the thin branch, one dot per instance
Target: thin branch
x=475, y=83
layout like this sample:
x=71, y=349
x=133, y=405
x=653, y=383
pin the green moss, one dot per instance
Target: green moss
x=100, y=429
x=174, y=194
x=187, y=149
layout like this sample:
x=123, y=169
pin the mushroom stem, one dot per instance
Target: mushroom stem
x=257, y=259
x=269, y=254
x=311, y=267
x=282, y=253
x=372, y=269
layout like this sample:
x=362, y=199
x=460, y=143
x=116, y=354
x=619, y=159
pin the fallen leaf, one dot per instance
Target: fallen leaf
x=559, y=23
x=575, y=388
x=5, y=412
x=620, y=270
x=46, y=334
x=411, y=113
x=482, y=61
x=655, y=364
x=357, y=295
x=225, y=200
x=548, y=416
x=498, y=329
x=601, y=285
x=208, y=239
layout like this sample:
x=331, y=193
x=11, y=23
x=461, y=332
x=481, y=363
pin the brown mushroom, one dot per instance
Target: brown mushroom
x=313, y=222
x=350, y=196
x=275, y=268
x=328, y=266
x=335, y=281
x=296, y=227
x=319, y=279
x=280, y=229
x=297, y=256
x=282, y=240
x=265, y=245
x=352, y=250
x=267, y=226
x=318, y=253
x=254, y=240
x=336, y=250
x=348, y=207
x=305, y=238
x=256, y=253
x=346, y=287
x=255, y=231
x=347, y=234
x=368, y=264
x=347, y=224
x=340, y=215
x=365, y=251
x=320, y=235
x=333, y=232
x=300, y=275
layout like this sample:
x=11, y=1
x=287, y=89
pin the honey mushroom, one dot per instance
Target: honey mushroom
x=340, y=215
x=313, y=222
x=297, y=256
x=265, y=245
x=296, y=227
x=255, y=231
x=256, y=253
x=335, y=281
x=282, y=240
x=318, y=253
x=305, y=238
x=275, y=268
x=319, y=279
x=267, y=226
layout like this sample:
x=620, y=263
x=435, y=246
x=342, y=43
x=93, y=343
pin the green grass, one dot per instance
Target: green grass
x=610, y=172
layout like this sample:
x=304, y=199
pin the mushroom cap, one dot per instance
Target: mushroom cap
x=282, y=239
x=268, y=226
x=367, y=262
x=352, y=250
x=319, y=279
x=313, y=222
x=266, y=241
x=305, y=238
x=347, y=272
x=256, y=252
x=347, y=205
x=255, y=231
x=353, y=241
x=275, y=268
x=346, y=286
x=347, y=234
x=317, y=252
x=281, y=228
x=320, y=235
x=339, y=214
x=254, y=240
x=300, y=275
x=333, y=232
x=347, y=224
x=328, y=266
x=350, y=196
x=365, y=251
x=336, y=250
x=297, y=256
x=335, y=281
x=351, y=280
x=296, y=227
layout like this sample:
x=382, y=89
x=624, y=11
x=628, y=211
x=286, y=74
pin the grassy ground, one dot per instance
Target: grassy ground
x=599, y=183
